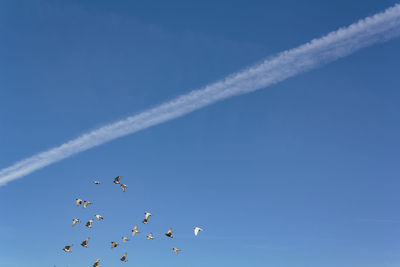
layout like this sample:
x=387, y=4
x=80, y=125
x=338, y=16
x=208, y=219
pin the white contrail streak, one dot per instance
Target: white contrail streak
x=377, y=28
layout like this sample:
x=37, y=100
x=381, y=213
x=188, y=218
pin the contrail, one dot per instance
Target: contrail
x=337, y=44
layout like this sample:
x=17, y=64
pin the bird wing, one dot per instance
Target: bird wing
x=123, y=257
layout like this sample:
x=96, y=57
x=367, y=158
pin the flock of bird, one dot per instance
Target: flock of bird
x=134, y=231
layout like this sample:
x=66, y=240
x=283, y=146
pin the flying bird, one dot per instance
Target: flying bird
x=96, y=263
x=150, y=236
x=67, y=248
x=124, y=258
x=96, y=182
x=78, y=201
x=75, y=221
x=86, y=203
x=89, y=223
x=98, y=217
x=123, y=186
x=114, y=244
x=176, y=250
x=135, y=230
x=197, y=230
x=85, y=242
x=116, y=179
x=146, y=217
x=124, y=239
x=169, y=233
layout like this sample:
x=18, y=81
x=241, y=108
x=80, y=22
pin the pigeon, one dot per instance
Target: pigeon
x=96, y=182
x=78, y=201
x=116, y=180
x=86, y=203
x=146, y=217
x=114, y=244
x=135, y=230
x=150, y=236
x=169, y=233
x=85, y=242
x=176, y=250
x=123, y=186
x=124, y=239
x=89, y=223
x=98, y=217
x=124, y=258
x=197, y=230
x=96, y=263
x=75, y=221
x=67, y=248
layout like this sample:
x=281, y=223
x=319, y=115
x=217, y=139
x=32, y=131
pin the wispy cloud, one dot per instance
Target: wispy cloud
x=377, y=28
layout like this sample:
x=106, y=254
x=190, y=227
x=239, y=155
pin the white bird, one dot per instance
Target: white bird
x=150, y=236
x=123, y=186
x=176, y=250
x=146, y=217
x=78, y=201
x=86, y=203
x=85, y=242
x=89, y=223
x=114, y=244
x=124, y=239
x=67, y=248
x=135, y=230
x=96, y=182
x=98, y=217
x=96, y=263
x=116, y=179
x=169, y=233
x=124, y=258
x=75, y=221
x=197, y=230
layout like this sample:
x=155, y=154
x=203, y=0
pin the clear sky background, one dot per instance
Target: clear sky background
x=301, y=174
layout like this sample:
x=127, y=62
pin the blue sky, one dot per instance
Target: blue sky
x=299, y=174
